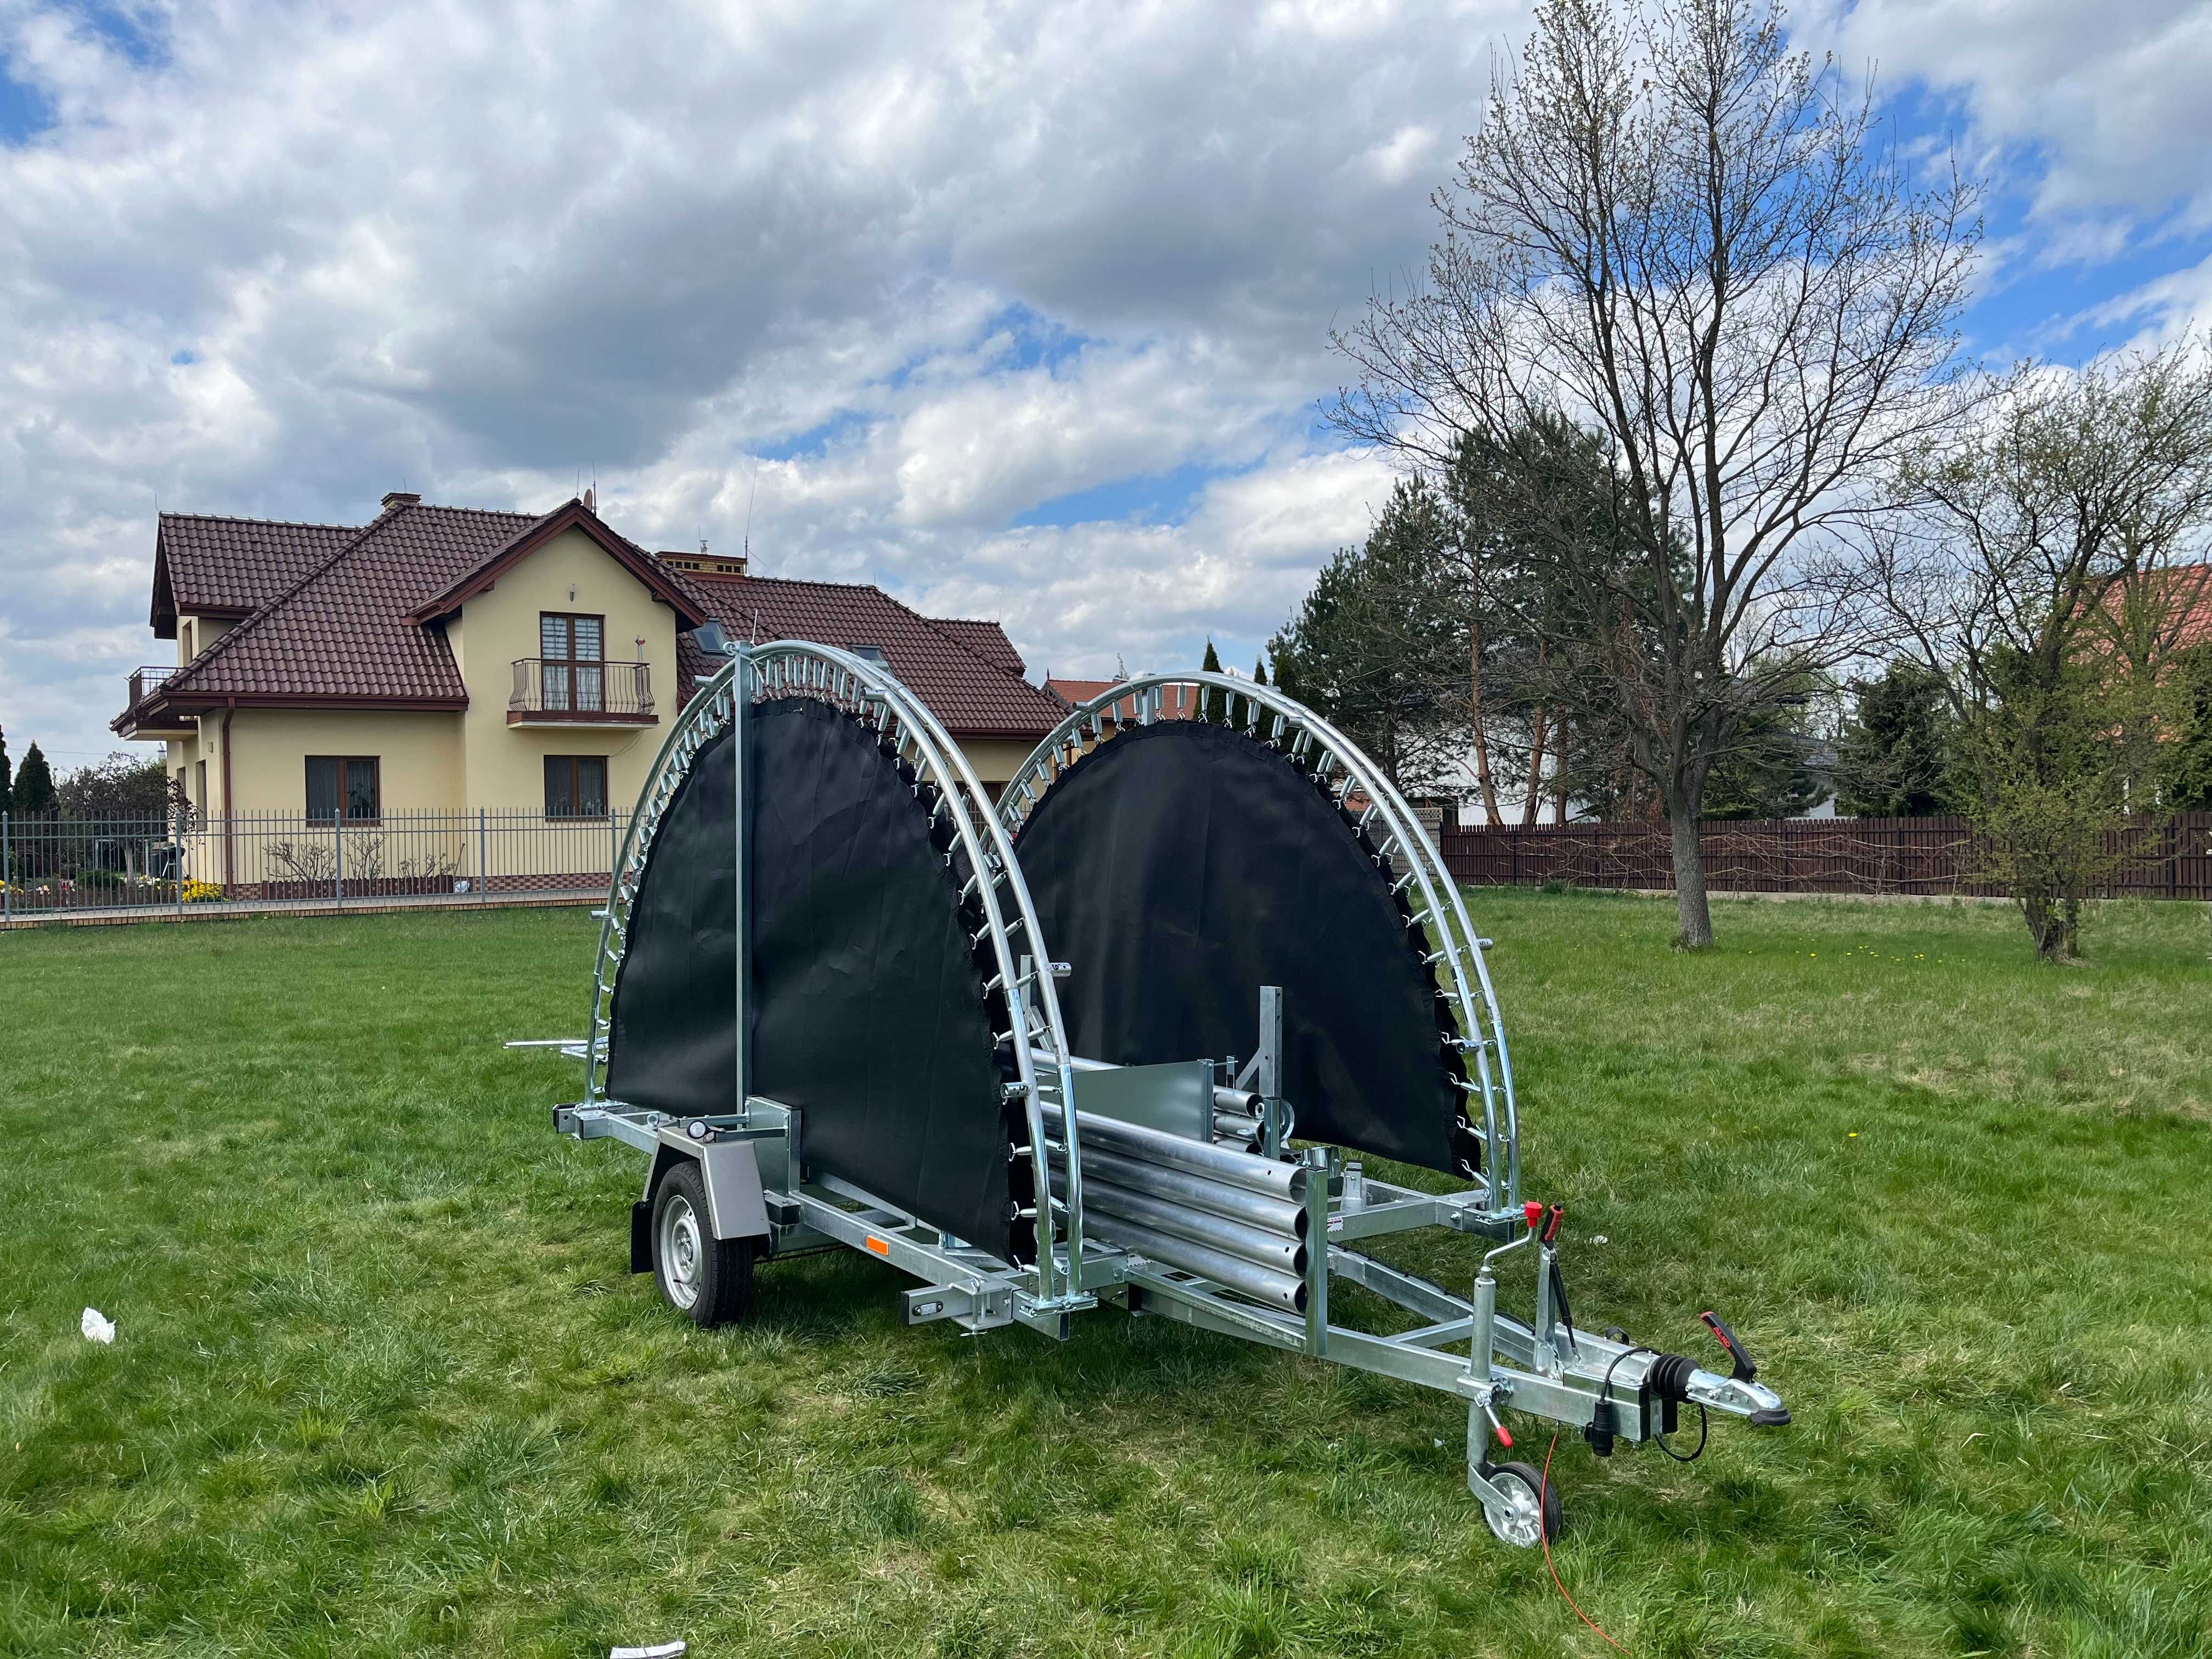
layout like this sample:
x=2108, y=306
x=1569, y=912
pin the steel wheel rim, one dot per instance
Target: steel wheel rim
x=1520, y=1521
x=681, y=1250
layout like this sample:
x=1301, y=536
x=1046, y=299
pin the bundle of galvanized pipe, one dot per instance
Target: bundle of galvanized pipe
x=1208, y=1209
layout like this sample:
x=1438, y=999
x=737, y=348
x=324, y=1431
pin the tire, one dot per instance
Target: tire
x=708, y=1280
x=1533, y=1498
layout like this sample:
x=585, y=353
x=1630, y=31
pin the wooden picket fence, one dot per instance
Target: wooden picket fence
x=2168, y=858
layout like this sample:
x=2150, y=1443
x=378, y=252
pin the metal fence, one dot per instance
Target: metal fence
x=56, y=868
x=2159, y=858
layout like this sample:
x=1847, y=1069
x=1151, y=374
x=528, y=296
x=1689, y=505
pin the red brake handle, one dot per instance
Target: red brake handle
x=1745, y=1367
x=1552, y=1227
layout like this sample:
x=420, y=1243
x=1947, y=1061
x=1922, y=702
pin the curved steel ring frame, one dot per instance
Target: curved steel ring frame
x=867, y=692
x=1335, y=761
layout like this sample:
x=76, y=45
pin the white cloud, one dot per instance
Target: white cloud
x=2103, y=102
x=904, y=274
x=942, y=266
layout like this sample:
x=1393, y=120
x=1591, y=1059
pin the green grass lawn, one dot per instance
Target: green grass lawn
x=383, y=1385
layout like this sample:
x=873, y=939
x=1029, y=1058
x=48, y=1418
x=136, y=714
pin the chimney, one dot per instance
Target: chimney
x=591, y=502
x=395, y=499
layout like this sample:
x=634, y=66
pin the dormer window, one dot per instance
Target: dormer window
x=867, y=652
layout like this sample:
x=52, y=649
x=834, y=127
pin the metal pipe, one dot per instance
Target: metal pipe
x=1235, y=1126
x=1274, y=1215
x=1267, y=1250
x=1485, y=1322
x=1234, y=1272
x=1240, y=1101
x=1199, y=1158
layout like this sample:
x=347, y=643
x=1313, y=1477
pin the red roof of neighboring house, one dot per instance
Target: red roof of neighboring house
x=1177, y=703
x=2191, y=584
x=966, y=673
x=216, y=566
x=358, y=618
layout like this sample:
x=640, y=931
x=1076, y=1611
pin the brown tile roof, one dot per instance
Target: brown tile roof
x=986, y=639
x=975, y=690
x=221, y=567
x=341, y=632
x=354, y=620
x=479, y=575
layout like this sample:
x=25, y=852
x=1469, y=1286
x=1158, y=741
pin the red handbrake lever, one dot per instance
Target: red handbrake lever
x=1745, y=1367
x=1552, y=1227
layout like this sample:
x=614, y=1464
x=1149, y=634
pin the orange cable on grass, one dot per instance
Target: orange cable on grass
x=1554, y=1572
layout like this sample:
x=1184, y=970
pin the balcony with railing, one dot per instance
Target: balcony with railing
x=552, y=691
x=145, y=716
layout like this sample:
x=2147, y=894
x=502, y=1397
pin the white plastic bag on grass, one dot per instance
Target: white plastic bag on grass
x=96, y=1326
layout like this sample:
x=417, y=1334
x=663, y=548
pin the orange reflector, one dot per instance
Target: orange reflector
x=880, y=1246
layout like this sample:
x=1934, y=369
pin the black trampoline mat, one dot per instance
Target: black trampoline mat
x=868, y=1013
x=1177, y=868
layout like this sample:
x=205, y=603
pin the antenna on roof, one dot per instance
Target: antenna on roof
x=751, y=495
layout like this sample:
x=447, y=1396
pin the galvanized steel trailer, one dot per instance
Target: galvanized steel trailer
x=810, y=843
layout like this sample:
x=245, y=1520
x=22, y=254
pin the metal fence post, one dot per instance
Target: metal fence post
x=6, y=871
x=484, y=860
x=337, y=845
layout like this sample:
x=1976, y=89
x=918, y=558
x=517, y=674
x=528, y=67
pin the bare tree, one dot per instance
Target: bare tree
x=1682, y=236
x=2050, y=575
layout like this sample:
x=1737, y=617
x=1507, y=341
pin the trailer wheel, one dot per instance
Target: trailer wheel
x=1517, y=1523
x=709, y=1279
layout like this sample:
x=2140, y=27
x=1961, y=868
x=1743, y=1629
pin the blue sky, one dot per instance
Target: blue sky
x=1019, y=312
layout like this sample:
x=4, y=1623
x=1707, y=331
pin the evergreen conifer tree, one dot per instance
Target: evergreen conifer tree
x=33, y=792
x=7, y=776
x=1212, y=662
x=1894, y=758
x=1259, y=671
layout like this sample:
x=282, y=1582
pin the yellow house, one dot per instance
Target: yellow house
x=441, y=666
